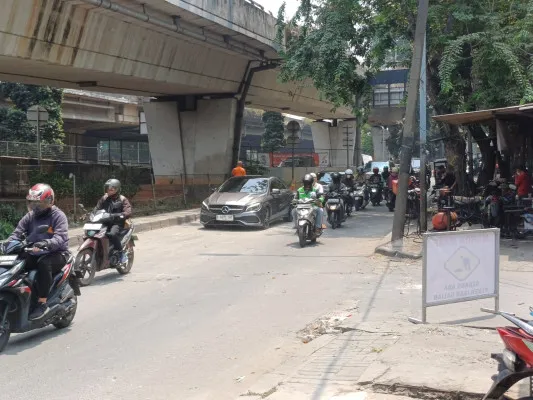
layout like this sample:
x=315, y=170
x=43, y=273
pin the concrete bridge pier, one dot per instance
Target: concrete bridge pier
x=190, y=136
x=330, y=140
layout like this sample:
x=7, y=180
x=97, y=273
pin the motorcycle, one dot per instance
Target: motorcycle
x=334, y=208
x=493, y=205
x=95, y=253
x=375, y=194
x=516, y=360
x=18, y=294
x=361, y=196
x=390, y=198
x=350, y=201
x=306, y=214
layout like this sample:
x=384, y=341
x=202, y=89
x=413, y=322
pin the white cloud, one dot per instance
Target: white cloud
x=274, y=5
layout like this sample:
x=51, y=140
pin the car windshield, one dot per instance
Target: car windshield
x=326, y=179
x=245, y=185
x=376, y=164
x=415, y=163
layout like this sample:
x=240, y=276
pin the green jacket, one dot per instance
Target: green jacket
x=301, y=193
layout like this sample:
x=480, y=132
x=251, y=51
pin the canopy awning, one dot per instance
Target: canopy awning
x=478, y=117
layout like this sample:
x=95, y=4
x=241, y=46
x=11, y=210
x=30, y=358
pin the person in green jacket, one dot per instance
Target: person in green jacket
x=304, y=192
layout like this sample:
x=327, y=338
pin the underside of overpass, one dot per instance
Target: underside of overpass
x=195, y=58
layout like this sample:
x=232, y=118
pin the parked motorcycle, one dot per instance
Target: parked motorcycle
x=95, y=253
x=516, y=361
x=413, y=203
x=361, y=196
x=375, y=194
x=18, y=294
x=335, y=209
x=306, y=213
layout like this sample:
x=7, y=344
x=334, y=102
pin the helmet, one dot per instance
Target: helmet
x=360, y=170
x=308, y=181
x=385, y=168
x=395, y=170
x=112, y=183
x=40, y=198
x=336, y=177
x=348, y=174
x=375, y=170
x=313, y=175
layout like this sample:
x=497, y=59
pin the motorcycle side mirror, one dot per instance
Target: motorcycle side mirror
x=42, y=228
x=313, y=195
x=276, y=191
x=512, y=187
x=213, y=189
x=81, y=206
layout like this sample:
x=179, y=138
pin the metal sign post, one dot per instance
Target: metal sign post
x=293, y=127
x=460, y=266
x=37, y=117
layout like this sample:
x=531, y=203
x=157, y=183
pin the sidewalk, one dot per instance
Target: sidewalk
x=377, y=354
x=148, y=223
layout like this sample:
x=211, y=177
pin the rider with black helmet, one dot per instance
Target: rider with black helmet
x=304, y=192
x=120, y=209
x=337, y=186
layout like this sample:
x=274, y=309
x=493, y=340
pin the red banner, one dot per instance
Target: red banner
x=302, y=159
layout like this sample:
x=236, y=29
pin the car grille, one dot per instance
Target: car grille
x=231, y=209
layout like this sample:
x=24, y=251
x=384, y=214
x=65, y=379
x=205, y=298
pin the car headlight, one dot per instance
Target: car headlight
x=253, y=207
x=205, y=207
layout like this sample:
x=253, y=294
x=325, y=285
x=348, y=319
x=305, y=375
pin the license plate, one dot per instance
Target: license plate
x=358, y=197
x=92, y=227
x=334, y=201
x=8, y=258
x=225, y=218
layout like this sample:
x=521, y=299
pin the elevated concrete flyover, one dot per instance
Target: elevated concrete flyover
x=203, y=61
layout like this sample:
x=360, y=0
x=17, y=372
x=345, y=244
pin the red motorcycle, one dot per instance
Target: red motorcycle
x=516, y=361
x=95, y=253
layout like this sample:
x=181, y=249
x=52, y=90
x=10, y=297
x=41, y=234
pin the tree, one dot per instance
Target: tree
x=367, y=143
x=13, y=122
x=273, y=139
x=479, y=55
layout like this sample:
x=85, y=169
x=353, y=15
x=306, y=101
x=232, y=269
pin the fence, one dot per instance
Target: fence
x=323, y=158
x=130, y=153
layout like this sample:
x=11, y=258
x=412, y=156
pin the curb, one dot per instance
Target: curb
x=396, y=253
x=151, y=225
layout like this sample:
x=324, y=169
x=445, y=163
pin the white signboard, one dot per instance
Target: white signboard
x=323, y=157
x=460, y=266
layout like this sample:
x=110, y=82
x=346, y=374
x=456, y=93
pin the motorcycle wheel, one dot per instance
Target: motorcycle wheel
x=67, y=319
x=333, y=220
x=391, y=209
x=302, y=237
x=85, y=265
x=5, y=333
x=131, y=256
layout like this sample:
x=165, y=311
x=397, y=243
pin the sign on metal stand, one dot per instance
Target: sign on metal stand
x=37, y=117
x=460, y=266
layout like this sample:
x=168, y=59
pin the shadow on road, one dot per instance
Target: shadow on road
x=24, y=341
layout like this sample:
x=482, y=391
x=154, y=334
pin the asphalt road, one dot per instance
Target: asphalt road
x=200, y=309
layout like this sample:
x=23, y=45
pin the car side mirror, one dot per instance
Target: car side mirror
x=213, y=189
x=275, y=191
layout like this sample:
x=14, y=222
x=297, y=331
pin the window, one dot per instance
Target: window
x=277, y=184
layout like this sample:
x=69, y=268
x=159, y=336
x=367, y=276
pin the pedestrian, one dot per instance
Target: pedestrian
x=238, y=170
x=522, y=181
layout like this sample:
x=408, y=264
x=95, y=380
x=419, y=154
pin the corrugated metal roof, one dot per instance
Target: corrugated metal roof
x=477, y=117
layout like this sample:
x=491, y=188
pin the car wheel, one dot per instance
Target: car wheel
x=266, y=218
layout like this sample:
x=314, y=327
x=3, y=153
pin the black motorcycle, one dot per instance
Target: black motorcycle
x=375, y=194
x=334, y=208
x=18, y=295
x=390, y=199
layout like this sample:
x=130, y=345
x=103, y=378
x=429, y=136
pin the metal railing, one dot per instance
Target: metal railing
x=81, y=154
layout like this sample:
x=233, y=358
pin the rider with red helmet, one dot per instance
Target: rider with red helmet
x=50, y=249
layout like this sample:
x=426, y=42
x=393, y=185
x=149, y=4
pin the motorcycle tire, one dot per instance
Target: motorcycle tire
x=4, y=336
x=131, y=256
x=391, y=209
x=67, y=319
x=88, y=270
x=302, y=236
x=333, y=221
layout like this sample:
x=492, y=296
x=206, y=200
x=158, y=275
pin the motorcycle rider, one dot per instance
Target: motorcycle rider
x=392, y=177
x=360, y=179
x=375, y=179
x=337, y=186
x=385, y=174
x=304, y=192
x=349, y=182
x=317, y=186
x=50, y=249
x=119, y=208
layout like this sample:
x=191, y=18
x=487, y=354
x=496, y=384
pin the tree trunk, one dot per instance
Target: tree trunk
x=488, y=155
x=455, y=148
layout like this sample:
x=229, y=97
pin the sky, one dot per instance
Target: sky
x=274, y=5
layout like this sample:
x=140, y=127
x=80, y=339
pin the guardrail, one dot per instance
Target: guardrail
x=81, y=154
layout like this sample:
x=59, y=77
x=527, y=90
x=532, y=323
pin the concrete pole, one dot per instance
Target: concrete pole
x=410, y=121
x=423, y=137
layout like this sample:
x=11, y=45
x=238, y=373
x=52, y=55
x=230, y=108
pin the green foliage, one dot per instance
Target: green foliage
x=60, y=183
x=13, y=121
x=273, y=139
x=9, y=218
x=367, y=143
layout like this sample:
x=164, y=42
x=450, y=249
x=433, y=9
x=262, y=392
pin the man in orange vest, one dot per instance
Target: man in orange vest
x=238, y=170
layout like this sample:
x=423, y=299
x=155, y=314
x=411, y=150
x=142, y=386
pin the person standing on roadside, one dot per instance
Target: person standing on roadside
x=238, y=170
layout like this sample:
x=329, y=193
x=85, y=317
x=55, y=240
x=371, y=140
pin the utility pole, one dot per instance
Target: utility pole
x=423, y=140
x=357, y=156
x=410, y=121
x=347, y=144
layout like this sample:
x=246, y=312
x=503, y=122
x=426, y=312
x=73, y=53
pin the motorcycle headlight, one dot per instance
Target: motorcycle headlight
x=253, y=207
x=303, y=211
x=205, y=207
